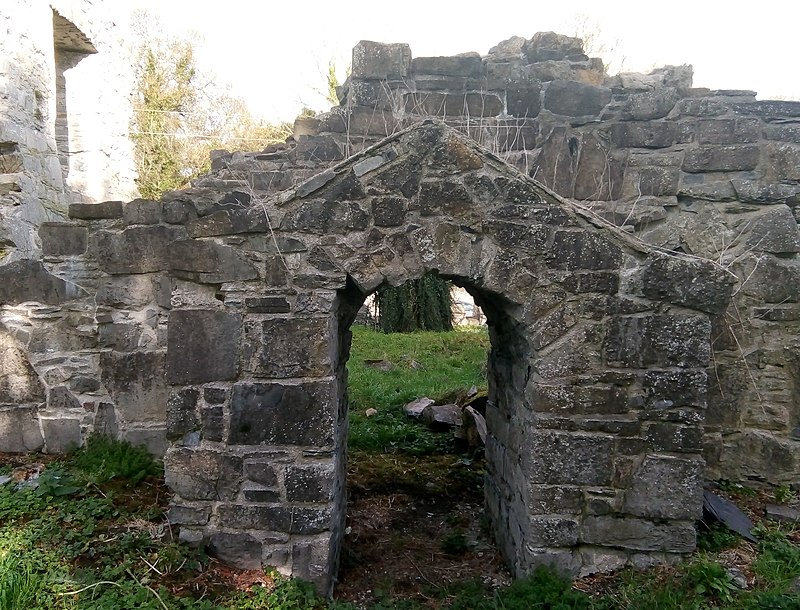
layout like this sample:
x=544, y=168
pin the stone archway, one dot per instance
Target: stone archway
x=597, y=373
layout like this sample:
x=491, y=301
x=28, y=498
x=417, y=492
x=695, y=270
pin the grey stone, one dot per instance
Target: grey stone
x=571, y=98
x=212, y=423
x=136, y=383
x=142, y=212
x=524, y=102
x=289, y=519
x=775, y=231
x=105, y=420
x=666, y=487
x=282, y=348
x=435, y=104
x=188, y=515
x=270, y=412
x=644, y=134
x=317, y=149
x=693, y=283
x=313, y=483
x=209, y=262
x=61, y=435
x=240, y=550
x=60, y=398
x=553, y=532
x=28, y=280
x=469, y=65
x=728, y=158
x=134, y=250
x=61, y=239
x=378, y=61
x=262, y=473
x=95, y=211
x=181, y=412
x=442, y=416
x=570, y=459
x=551, y=46
x=19, y=382
x=325, y=217
x=417, y=406
x=196, y=474
x=19, y=430
x=202, y=345
x=660, y=340
x=651, y=105
x=773, y=280
x=153, y=439
x=782, y=513
x=389, y=211
x=639, y=534
x=583, y=250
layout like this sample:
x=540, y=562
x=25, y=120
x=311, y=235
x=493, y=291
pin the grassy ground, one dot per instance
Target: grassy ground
x=93, y=536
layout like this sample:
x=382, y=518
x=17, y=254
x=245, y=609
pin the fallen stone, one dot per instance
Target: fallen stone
x=417, y=406
x=474, y=427
x=738, y=578
x=782, y=513
x=442, y=416
x=371, y=412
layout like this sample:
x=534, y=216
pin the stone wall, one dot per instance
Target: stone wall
x=65, y=84
x=713, y=174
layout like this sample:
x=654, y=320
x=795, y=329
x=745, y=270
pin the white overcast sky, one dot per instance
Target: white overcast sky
x=274, y=54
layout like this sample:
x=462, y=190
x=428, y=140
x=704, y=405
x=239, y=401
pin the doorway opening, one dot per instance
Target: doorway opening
x=414, y=413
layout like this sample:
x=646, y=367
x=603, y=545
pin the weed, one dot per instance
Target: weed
x=710, y=579
x=715, y=538
x=455, y=543
x=737, y=489
x=784, y=494
x=779, y=559
x=104, y=459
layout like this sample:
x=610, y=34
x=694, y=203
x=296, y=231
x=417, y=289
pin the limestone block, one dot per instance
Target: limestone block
x=196, y=474
x=202, y=345
x=281, y=348
x=768, y=109
x=19, y=430
x=141, y=249
x=237, y=549
x=643, y=134
x=650, y=105
x=311, y=483
x=27, y=280
x=378, y=61
x=212, y=423
x=389, y=211
x=668, y=389
x=524, y=102
x=61, y=239
x=95, y=211
x=208, y=262
x=772, y=279
x=728, y=131
x=723, y=158
x=775, y=231
x=558, y=458
x=142, y=212
x=135, y=380
x=19, y=382
x=468, y=64
x=270, y=412
x=639, y=534
x=288, y=519
x=553, y=531
x=577, y=250
x=261, y=472
x=693, y=283
x=571, y=98
x=551, y=46
x=317, y=148
x=324, y=217
x=181, y=412
x=61, y=435
x=674, y=438
x=660, y=340
x=435, y=104
x=188, y=515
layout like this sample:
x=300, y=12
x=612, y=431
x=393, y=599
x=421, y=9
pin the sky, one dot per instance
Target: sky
x=275, y=54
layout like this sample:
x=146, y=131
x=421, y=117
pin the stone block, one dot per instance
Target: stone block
x=558, y=458
x=153, y=439
x=650, y=105
x=59, y=398
x=775, y=231
x=579, y=399
x=136, y=383
x=772, y=279
x=374, y=60
x=288, y=519
x=318, y=149
x=437, y=104
x=728, y=131
x=529, y=237
x=215, y=396
x=61, y=239
x=639, y=534
x=693, y=283
x=236, y=549
x=389, y=211
x=142, y=212
x=261, y=472
x=561, y=499
x=267, y=304
x=19, y=382
x=469, y=65
x=524, y=102
x=325, y=217
x=674, y=438
x=202, y=345
x=105, y=420
x=188, y=515
x=571, y=98
x=209, y=262
x=19, y=430
x=126, y=292
x=668, y=389
x=729, y=158
x=546, y=46
x=281, y=414
x=666, y=487
x=313, y=483
x=553, y=531
x=281, y=348
x=178, y=212
x=643, y=134
x=95, y=211
x=142, y=249
x=197, y=474
x=768, y=109
x=27, y=280
x=579, y=250
x=212, y=424
x=181, y=412
x=658, y=340
x=61, y=435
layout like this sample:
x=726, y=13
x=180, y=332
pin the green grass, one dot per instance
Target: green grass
x=432, y=364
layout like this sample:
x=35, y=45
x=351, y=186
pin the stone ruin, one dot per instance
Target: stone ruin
x=632, y=240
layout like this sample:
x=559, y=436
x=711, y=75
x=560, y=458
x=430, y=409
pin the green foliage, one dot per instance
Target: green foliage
x=417, y=369
x=284, y=594
x=423, y=304
x=455, y=544
x=715, y=538
x=784, y=494
x=20, y=583
x=104, y=459
x=779, y=558
x=710, y=579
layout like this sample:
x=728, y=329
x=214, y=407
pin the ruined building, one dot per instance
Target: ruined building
x=632, y=240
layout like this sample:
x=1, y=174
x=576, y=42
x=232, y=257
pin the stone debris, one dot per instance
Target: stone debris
x=417, y=406
x=474, y=428
x=442, y=416
x=782, y=513
x=371, y=412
